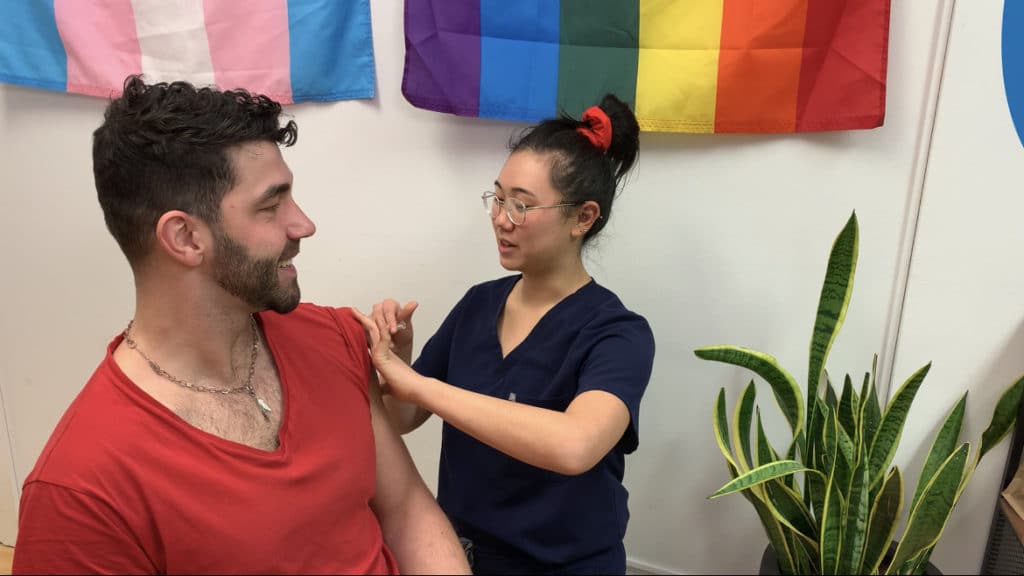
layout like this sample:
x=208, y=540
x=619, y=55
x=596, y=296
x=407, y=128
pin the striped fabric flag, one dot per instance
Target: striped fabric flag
x=684, y=65
x=290, y=50
x=1013, y=62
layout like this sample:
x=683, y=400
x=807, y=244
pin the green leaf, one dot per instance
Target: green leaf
x=929, y=517
x=848, y=408
x=786, y=391
x=792, y=511
x=721, y=425
x=918, y=563
x=885, y=513
x=857, y=511
x=943, y=445
x=806, y=555
x=816, y=441
x=814, y=495
x=871, y=412
x=765, y=452
x=791, y=455
x=1003, y=417
x=845, y=461
x=776, y=537
x=830, y=396
x=883, y=448
x=832, y=302
x=831, y=531
x=759, y=475
x=741, y=423
x=830, y=446
x=817, y=487
x=864, y=388
x=748, y=494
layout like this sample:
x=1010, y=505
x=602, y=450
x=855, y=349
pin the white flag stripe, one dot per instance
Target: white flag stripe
x=172, y=37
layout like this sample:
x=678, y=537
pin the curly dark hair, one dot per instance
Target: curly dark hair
x=579, y=170
x=165, y=147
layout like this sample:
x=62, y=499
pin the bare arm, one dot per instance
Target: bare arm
x=404, y=416
x=569, y=442
x=414, y=526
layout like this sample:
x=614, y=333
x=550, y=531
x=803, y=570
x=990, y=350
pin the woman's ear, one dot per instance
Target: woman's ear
x=588, y=214
x=182, y=237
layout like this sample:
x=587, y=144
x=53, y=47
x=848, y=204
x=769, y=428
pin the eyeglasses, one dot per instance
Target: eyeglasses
x=514, y=207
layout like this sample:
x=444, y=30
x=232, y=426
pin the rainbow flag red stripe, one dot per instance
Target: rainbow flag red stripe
x=684, y=65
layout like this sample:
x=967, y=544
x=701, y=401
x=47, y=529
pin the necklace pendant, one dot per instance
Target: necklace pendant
x=264, y=408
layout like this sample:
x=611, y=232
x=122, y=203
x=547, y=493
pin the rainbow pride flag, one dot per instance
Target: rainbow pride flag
x=290, y=50
x=684, y=65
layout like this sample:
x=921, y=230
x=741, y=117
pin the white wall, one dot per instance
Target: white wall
x=965, y=299
x=716, y=239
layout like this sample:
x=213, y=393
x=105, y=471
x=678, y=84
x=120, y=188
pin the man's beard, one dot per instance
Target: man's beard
x=254, y=280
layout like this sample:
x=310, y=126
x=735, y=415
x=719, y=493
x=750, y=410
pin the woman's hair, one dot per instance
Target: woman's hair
x=580, y=170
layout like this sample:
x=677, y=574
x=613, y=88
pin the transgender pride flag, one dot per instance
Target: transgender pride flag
x=684, y=65
x=290, y=50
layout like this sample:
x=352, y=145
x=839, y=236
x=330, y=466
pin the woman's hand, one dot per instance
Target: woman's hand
x=398, y=322
x=398, y=379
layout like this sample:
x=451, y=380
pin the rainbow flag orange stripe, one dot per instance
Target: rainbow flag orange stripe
x=684, y=65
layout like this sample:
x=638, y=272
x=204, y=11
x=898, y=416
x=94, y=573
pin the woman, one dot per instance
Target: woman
x=538, y=376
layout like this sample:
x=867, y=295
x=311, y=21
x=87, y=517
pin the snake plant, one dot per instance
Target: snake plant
x=830, y=504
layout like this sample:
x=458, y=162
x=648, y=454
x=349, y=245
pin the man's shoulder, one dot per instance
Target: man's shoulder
x=308, y=314
x=99, y=418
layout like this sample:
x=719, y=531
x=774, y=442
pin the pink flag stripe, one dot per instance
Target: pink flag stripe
x=101, y=44
x=262, y=62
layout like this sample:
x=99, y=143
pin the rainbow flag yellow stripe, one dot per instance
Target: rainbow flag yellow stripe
x=684, y=65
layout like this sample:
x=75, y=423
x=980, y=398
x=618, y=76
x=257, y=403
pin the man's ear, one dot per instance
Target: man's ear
x=183, y=237
x=588, y=214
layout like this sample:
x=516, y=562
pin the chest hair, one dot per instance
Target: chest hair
x=237, y=417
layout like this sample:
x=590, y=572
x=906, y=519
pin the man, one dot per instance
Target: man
x=229, y=429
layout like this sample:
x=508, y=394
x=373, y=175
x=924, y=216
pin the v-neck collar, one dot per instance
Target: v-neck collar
x=541, y=323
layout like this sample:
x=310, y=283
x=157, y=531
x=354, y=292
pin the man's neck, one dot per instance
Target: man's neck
x=185, y=329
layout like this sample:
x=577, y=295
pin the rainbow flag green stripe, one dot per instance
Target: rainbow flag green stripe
x=684, y=65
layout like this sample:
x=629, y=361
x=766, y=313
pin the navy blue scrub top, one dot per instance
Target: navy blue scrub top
x=588, y=341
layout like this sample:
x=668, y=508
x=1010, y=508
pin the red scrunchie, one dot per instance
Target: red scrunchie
x=598, y=129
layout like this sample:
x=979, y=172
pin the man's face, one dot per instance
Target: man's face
x=259, y=232
x=255, y=279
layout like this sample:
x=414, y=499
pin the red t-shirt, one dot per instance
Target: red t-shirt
x=126, y=486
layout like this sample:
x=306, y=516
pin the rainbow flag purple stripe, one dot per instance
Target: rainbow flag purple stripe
x=291, y=50
x=684, y=65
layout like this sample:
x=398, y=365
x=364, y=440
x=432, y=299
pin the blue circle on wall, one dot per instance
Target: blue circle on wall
x=1013, y=61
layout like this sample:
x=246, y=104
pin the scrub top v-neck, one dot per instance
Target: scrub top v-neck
x=588, y=341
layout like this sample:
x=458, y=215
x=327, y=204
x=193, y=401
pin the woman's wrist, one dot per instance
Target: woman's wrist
x=425, y=393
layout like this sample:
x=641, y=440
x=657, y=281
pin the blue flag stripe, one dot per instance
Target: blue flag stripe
x=331, y=44
x=31, y=51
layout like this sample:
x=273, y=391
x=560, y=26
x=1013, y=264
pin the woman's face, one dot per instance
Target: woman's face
x=544, y=240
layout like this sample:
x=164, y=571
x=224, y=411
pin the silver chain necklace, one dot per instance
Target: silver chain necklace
x=247, y=387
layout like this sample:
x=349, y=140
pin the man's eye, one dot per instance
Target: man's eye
x=272, y=208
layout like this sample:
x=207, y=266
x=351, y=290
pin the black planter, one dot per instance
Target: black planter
x=770, y=564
